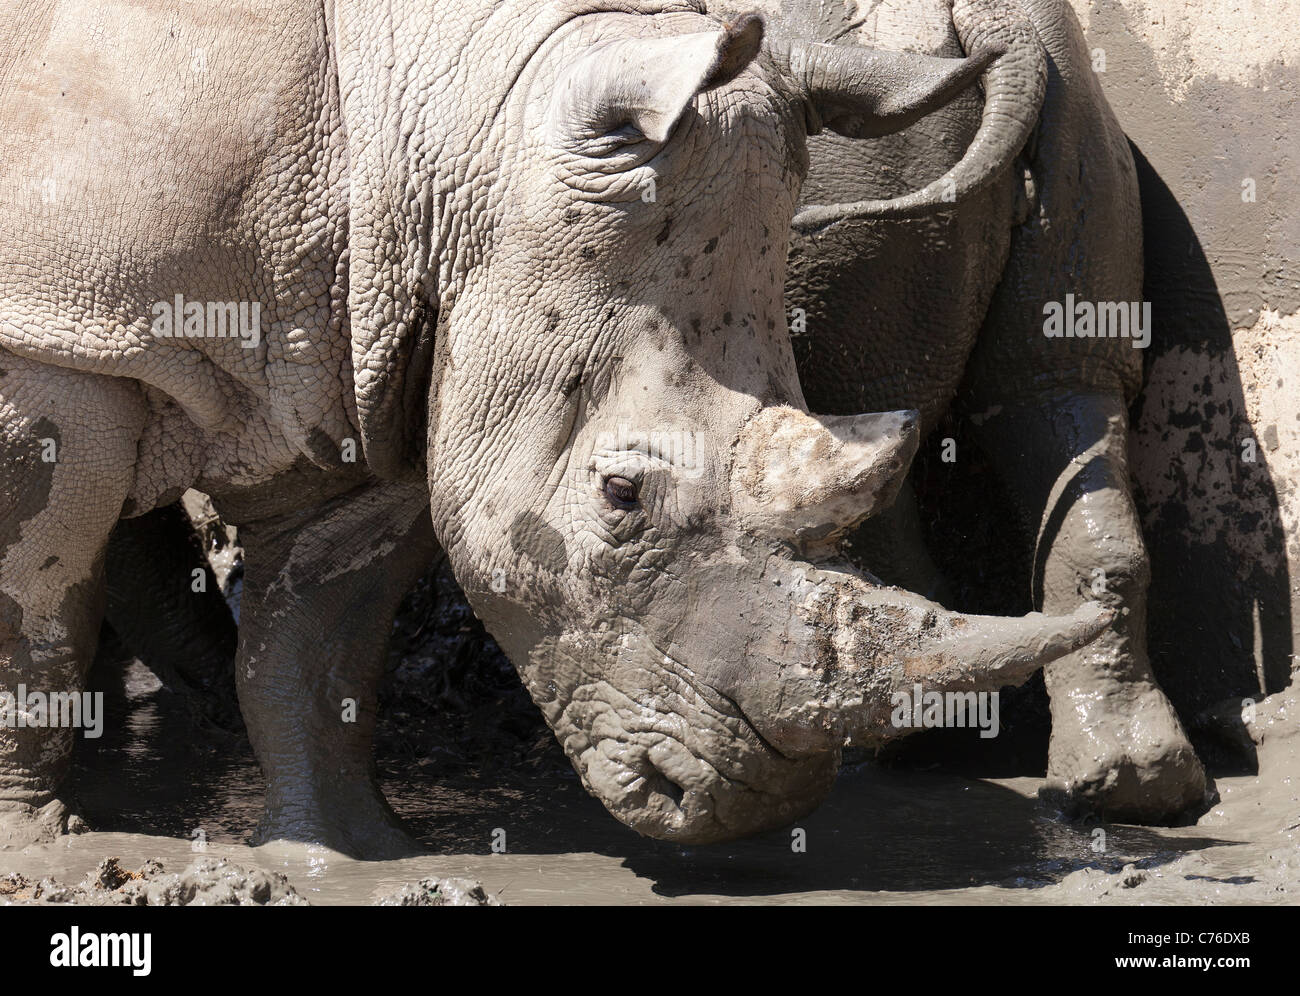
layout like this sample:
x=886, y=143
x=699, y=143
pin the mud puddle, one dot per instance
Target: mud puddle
x=155, y=788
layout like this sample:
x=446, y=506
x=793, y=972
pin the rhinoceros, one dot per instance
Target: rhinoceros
x=500, y=278
x=913, y=293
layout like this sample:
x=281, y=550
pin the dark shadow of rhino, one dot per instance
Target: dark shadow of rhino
x=1220, y=613
x=890, y=831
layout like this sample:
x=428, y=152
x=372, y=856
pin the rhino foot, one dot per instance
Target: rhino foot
x=358, y=826
x=1123, y=756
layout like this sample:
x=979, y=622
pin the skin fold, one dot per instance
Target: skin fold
x=520, y=271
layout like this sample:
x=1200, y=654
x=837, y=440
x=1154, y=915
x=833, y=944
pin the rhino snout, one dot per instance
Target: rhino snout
x=667, y=753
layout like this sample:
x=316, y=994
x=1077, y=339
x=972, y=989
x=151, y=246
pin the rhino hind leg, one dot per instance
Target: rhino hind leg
x=67, y=457
x=187, y=637
x=321, y=588
x=1117, y=747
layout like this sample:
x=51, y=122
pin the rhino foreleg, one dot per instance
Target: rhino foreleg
x=1117, y=745
x=321, y=587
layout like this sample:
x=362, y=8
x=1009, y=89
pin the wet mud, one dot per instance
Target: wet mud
x=468, y=763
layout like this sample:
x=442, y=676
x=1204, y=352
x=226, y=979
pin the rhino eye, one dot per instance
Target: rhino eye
x=620, y=491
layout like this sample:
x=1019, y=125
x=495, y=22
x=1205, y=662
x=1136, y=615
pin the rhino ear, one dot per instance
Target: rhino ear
x=637, y=88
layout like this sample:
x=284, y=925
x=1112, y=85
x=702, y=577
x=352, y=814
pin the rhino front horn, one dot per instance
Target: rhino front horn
x=860, y=644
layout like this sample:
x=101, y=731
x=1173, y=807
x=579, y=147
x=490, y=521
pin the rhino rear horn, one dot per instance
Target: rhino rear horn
x=808, y=479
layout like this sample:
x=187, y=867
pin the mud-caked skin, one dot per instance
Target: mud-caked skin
x=519, y=268
x=941, y=307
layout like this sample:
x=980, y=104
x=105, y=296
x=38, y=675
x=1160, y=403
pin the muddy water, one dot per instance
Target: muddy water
x=885, y=836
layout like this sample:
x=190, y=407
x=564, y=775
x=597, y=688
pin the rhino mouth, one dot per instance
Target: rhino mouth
x=669, y=792
x=678, y=760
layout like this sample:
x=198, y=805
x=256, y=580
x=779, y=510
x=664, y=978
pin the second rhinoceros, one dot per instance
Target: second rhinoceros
x=503, y=278
x=912, y=293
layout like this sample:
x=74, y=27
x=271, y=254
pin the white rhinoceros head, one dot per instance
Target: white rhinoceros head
x=622, y=467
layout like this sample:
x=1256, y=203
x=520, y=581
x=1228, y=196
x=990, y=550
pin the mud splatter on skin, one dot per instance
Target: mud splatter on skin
x=540, y=542
x=26, y=480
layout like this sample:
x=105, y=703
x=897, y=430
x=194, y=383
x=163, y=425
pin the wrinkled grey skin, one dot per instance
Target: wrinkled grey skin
x=901, y=309
x=478, y=331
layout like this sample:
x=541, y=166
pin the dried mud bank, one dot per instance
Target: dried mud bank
x=206, y=882
x=1206, y=94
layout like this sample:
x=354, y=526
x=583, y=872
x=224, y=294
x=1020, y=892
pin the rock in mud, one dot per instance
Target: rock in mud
x=439, y=892
x=206, y=882
x=1131, y=876
x=213, y=882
